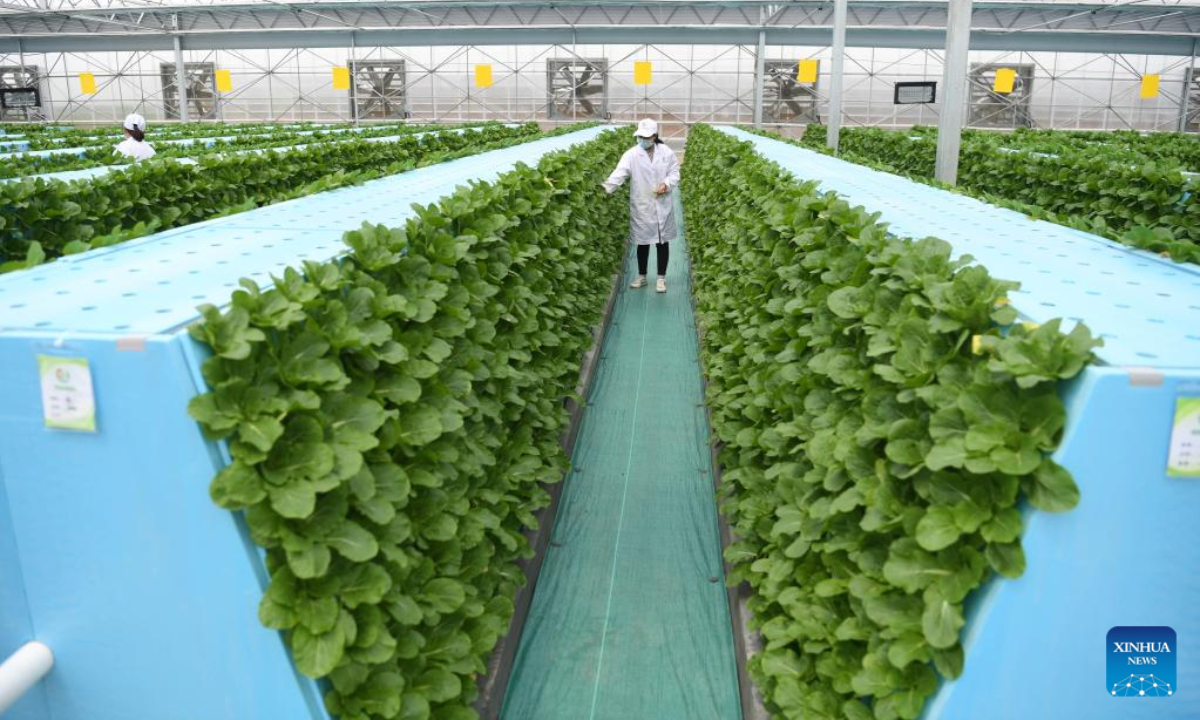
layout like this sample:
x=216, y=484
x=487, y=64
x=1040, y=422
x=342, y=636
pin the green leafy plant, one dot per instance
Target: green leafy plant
x=101, y=152
x=66, y=217
x=391, y=416
x=881, y=416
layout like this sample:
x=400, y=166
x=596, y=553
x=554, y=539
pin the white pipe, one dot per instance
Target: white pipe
x=22, y=670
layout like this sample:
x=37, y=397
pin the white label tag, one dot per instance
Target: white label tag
x=1184, y=459
x=68, y=402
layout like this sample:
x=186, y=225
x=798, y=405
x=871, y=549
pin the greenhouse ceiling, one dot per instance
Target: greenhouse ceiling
x=1146, y=27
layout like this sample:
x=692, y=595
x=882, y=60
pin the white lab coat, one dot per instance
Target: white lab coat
x=136, y=150
x=651, y=216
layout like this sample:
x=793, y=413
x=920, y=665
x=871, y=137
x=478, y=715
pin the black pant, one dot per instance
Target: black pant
x=643, y=255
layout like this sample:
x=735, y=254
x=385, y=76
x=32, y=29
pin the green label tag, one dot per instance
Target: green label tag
x=1184, y=459
x=68, y=402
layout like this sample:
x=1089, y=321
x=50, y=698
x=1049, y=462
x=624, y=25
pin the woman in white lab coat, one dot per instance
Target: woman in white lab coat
x=655, y=173
x=135, y=145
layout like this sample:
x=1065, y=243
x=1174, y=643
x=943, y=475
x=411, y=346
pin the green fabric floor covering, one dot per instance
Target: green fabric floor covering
x=629, y=620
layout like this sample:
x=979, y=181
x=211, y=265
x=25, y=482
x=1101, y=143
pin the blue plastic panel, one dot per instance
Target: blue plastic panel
x=16, y=627
x=144, y=589
x=1145, y=307
x=1126, y=555
x=111, y=550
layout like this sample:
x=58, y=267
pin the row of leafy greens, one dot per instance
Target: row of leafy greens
x=392, y=415
x=1102, y=188
x=881, y=417
x=103, y=153
x=49, y=137
x=42, y=219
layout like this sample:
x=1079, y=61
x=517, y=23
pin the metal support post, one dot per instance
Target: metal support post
x=760, y=64
x=180, y=77
x=354, y=81
x=834, y=127
x=954, y=91
x=1189, y=78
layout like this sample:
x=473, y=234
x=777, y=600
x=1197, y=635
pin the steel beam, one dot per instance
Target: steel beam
x=834, y=121
x=882, y=37
x=180, y=80
x=954, y=91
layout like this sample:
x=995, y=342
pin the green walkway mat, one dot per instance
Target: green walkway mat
x=630, y=620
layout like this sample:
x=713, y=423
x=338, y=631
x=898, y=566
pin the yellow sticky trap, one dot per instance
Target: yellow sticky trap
x=483, y=76
x=1030, y=326
x=1149, y=87
x=642, y=73
x=807, y=71
x=1005, y=77
x=87, y=83
x=224, y=81
x=1002, y=302
x=341, y=78
x=976, y=344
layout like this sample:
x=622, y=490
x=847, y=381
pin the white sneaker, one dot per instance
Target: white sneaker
x=638, y=282
x=662, y=285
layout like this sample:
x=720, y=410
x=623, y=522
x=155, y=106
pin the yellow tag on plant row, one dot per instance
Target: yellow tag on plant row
x=976, y=344
x=1031, y=326
x=483, y=76
x=1149, y=87
x=341, y=78
x=224, y=81
x=642, y=73
x=1002, y=302
x=87, y=83
x=1005, y=77
x=807, y=71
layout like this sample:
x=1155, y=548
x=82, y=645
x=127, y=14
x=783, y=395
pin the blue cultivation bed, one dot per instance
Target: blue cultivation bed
x=111, y=551
x=1126, y=556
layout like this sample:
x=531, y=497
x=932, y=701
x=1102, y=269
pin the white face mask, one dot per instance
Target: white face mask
x=645, y=143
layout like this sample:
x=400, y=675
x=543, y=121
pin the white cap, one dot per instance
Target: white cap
x=646, y=128
x=133, y=121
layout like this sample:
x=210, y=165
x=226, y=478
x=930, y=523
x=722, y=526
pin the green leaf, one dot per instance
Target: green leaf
x=938, y=529
x=261, y=432
x=911, y=568
x=353, y=542
x=405, y=610
x=439, y=685
x=1005, y=527
x=1008, y=559
x=1052, y=488
x=414, y=706
x=237, y=486
x=444, y=595
x=941, y=622
x=317, y=655
x=423, y=426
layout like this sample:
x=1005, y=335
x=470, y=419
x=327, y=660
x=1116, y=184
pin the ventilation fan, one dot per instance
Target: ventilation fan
x=785, y=99
x=380, y=89
x=577, y=88
x=991, y=109
x=19, y=77
x=201, y=90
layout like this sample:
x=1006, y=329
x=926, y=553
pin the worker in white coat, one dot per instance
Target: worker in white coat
x=134, y=145
x=654, y=174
